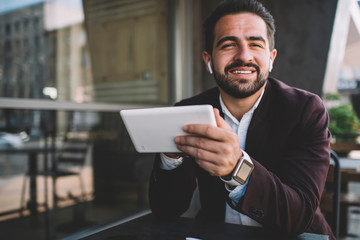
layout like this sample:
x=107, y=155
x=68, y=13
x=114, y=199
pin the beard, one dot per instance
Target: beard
x=240, y=88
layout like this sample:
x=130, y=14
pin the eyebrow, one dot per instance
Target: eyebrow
x=257, y=38
x=233, y=38
x=224, y=39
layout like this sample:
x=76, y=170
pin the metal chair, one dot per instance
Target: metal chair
x=330, y=200
x=69, y=161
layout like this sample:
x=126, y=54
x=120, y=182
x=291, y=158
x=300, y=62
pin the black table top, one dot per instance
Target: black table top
x=32, y=149
x=148, y=227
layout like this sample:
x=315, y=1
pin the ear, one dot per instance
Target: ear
x=273, y=54
x=207, y=60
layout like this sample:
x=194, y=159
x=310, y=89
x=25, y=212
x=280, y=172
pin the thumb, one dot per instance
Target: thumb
x=220, y=121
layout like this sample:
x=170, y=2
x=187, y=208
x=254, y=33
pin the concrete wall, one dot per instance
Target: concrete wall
x=303, y=36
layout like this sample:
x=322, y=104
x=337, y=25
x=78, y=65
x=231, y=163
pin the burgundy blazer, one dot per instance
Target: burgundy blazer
x=289, y=144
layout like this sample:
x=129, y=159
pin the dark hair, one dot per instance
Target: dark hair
x=233, y=7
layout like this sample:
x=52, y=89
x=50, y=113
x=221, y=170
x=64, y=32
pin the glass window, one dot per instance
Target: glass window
x=102, y=178
x=26, y=24
x=36, y=23
x=63, y=81
x=17, y=27
x=7, y=29
x=125, y=44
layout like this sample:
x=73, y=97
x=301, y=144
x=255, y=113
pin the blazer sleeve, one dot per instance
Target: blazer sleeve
x=285, y=197
x=171, y=191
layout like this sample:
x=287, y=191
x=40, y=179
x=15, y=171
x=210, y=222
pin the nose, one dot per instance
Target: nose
x=243, y=54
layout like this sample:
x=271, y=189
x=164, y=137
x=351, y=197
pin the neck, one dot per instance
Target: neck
x=239, y=106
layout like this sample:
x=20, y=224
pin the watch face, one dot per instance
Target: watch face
x=244, y=172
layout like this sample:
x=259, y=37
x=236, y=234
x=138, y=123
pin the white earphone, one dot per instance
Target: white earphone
x=210, y=69
x=270, y=65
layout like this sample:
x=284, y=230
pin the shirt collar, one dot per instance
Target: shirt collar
x=251, y=111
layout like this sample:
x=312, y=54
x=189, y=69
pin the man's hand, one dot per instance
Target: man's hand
x=176, y=155
x=215, y=149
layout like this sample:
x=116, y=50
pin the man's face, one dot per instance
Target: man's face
x=241, y=54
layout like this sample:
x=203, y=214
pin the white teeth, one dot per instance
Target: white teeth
x=241, y=72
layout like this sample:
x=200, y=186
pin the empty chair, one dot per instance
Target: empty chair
x=68, y=161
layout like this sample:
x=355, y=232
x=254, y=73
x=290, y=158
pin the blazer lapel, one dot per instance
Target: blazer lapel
x=259, y=125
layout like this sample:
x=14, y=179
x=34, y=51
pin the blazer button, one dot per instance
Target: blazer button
x=258, y=213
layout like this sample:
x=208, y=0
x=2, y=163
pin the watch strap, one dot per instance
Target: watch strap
x=232, y=182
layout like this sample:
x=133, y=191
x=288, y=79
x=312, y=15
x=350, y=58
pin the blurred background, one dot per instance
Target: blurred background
x=67, y=67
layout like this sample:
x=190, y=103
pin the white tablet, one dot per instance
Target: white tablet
x=154, y=129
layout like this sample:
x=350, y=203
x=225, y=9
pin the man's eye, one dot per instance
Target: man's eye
x=228, y=45
x=256, y=45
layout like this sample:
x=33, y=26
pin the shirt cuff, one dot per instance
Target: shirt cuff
x=235, y=189
x=237, y=193
x=168, y=163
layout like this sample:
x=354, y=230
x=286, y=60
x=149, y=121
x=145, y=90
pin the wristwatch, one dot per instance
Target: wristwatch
x=241, y=172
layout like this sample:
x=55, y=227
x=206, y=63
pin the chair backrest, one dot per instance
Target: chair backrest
x=330, y=200
x=73, y=152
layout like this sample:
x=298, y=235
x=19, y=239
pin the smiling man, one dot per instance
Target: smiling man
x=241, y=50
x=266, y=162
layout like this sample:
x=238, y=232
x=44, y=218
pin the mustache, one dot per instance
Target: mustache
x=241, y=64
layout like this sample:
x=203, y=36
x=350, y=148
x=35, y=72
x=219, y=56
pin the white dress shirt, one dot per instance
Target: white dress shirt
x=240, y=128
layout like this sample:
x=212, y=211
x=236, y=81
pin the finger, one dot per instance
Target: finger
x=199, y=154
x=204, y=130
x=176, y=155
x=210, y=132
x=220, y=121
x=206, y=144
x=211, y=162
